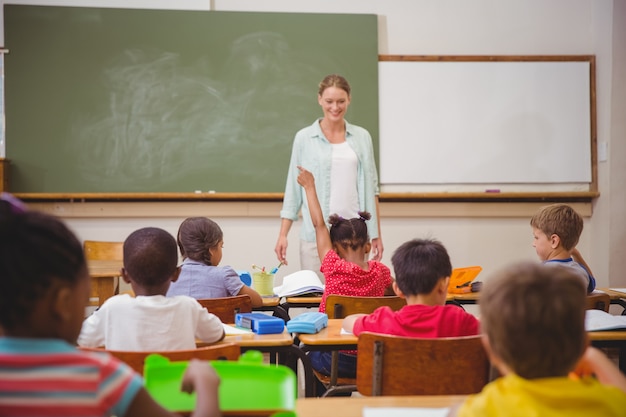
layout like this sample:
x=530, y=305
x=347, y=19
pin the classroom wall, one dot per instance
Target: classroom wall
x=489, y=235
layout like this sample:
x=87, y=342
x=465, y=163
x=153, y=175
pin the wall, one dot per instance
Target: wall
x=474, y=234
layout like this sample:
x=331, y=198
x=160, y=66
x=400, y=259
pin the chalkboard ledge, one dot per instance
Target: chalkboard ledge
x=574, y=196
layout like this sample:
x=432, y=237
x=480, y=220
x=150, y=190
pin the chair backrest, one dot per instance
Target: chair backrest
x=226, y=307
x=393, y=365
x=598, y=300
x=101, y=250
x=221, y=351
x=340, y=306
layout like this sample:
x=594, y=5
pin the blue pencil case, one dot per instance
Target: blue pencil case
x=310, y=322
x=260, y=323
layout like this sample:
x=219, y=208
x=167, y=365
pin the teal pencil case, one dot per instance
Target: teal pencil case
x=310, y=322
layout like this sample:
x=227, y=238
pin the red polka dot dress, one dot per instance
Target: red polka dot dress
x=347, y=278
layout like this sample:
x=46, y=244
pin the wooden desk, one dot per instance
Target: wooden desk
x=103, y=276
x=465, y=298
x=273, y=304
x=611, y=339
x=300, y=302
x=329, y=338
x=353, y=407
x=617, y=297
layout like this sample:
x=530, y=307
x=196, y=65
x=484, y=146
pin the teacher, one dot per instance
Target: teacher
x=341, y=157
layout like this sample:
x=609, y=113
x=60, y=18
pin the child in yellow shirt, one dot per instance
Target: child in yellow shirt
x=533, y=324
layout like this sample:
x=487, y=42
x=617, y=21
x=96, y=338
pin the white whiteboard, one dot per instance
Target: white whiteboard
x=449, y=122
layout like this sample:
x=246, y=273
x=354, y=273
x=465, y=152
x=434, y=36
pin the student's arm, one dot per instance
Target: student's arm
x=377, y=244
x=199, y=377
x=257, y=300
x=594, y=362
x=580, y=260
x=348, y=322
x=281, y=244
x=322, y=235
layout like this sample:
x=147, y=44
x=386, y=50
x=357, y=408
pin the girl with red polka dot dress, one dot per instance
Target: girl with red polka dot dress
x=343, y=252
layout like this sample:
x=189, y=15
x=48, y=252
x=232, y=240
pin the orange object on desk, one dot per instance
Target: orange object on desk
x=461, y=279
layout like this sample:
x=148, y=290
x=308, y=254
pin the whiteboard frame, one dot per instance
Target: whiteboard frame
x=481, y=186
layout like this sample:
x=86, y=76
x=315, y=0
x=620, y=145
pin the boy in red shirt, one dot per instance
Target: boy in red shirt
x=423, y=269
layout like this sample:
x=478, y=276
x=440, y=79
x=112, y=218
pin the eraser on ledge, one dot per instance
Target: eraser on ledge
x=211, y=191
x=198, y=191
x=493, y=190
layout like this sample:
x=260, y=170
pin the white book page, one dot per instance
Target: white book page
x=231, y=330
x=404, y=412
x=596, y=320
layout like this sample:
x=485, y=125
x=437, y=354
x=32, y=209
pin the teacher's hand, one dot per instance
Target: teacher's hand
x=281, y=249
x=377, y=249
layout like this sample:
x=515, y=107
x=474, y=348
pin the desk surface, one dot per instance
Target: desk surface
x=330, y=335
x=615, y=295
x=353, y=407
x=252, y=339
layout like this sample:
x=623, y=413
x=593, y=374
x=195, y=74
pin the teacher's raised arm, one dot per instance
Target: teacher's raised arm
x=340, y=156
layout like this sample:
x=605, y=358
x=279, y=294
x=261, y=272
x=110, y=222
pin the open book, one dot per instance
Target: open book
x=596, y=320
x=300, y=283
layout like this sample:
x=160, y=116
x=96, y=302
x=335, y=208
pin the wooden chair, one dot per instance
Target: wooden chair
x=598, y=300
x=226, y=307
x=221, y=351
x=96, y=250
x=393, y=365
x=338, y=307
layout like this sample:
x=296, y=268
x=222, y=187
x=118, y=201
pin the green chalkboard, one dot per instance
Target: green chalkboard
x=125, y=100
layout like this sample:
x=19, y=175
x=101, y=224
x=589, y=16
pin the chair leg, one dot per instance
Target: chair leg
x=338, y=389
x=377, y=374
x=334, y=368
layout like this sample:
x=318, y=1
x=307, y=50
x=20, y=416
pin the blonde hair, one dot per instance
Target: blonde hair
x=334, y=80
x=560, y=220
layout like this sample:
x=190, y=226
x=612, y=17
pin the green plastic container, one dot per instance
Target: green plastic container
x=246, y=384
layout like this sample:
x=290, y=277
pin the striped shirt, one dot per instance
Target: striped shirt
x=49, y=377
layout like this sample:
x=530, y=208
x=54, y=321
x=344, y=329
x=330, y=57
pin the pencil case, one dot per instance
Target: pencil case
x=260, y=323
x=310, y=322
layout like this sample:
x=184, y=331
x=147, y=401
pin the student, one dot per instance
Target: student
x=200, y=241
x=533, y=324
x=343, y=254
x=150, y=321
x=422, y=269
x=556, y=230
x=44, y=288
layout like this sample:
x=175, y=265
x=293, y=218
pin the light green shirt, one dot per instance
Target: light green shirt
x=312, y=151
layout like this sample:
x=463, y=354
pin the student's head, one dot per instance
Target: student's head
x=420, y=265
x=150, y=260
x=553, y=226
x=44, y=284
x=349, y=233
x=533, y=318
x=201, y=239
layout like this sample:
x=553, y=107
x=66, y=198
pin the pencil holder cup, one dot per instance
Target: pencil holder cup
x=263, y=283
